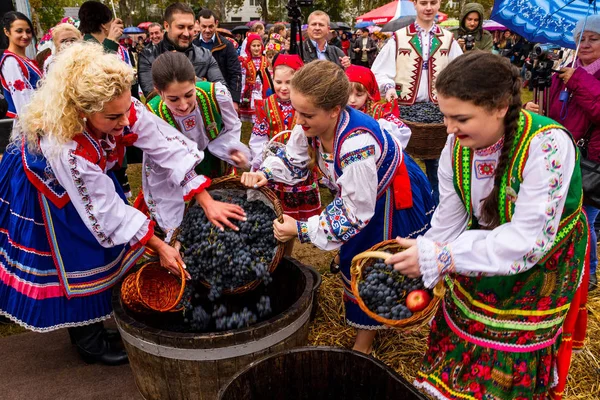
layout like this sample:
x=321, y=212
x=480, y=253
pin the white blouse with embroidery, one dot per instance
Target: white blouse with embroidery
x=92, y=191
x=354, y=204
x=515, y=246
x=19, y=86
x=192, y=126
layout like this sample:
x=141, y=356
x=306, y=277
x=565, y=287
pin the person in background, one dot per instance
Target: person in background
x=256, y=81
x=258, y=29
x=196, y=31
x=335, y=40
x=19, y=75
x=223, y=52
x=365, y=49
x=63, y=35
x=345, y=43
x=470, y=35
x=179, y=23
x=580, y=114
x=156, y=33
x=316, y=47
x=409, y=75
x=505, y=44
x=140, y=44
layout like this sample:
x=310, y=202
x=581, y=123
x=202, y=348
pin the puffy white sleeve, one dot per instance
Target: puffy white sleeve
x=228, y=140
x=166, y=147
x=354, y=205
x=518, y=245
x=455, y=50
x=384, y=66
x=17, y=84
x=92, y=193
x=258, y=139
x=290, y=165
x=398, y=129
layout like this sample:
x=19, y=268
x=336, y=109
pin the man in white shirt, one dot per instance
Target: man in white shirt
x=407, y=66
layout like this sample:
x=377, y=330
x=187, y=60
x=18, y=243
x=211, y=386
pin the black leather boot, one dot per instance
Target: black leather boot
x=93, y=345
x=112, y=335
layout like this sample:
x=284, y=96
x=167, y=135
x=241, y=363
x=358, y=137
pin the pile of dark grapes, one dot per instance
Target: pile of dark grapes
x=229, y=259
x=384, y=291
x=425, y=113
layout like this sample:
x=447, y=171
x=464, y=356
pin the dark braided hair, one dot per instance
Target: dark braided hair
x=492, y=82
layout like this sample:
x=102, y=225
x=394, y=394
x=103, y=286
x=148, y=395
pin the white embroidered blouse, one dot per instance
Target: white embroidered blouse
x=354, y=204
x=515, y=246
x=92, y=191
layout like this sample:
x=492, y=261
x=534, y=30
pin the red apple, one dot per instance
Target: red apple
x=417, y=300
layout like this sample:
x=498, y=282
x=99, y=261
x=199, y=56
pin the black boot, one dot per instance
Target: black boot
x=112, y=335
x=93, y=345
x=593, y=282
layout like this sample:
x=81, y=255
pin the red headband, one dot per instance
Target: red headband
x=363, y=75
x=291, y=60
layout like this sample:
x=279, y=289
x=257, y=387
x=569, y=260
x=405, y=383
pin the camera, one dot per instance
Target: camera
x=547, y=51
x=469, y=41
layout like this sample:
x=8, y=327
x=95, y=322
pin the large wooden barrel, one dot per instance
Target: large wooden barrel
x=175, y=366
x=319, y=373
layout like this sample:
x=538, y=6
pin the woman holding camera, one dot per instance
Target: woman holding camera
x=580, y=114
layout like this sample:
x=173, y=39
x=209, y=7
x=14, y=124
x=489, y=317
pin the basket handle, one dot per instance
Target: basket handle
x=371, y=254
x=279, y=134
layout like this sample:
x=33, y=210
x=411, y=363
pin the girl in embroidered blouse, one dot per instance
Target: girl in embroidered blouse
x=204, y=113
x=359, y=159
x=255, y=76
x=508, y=239
x=19, y=75
x=274, y=115
x=67, y=233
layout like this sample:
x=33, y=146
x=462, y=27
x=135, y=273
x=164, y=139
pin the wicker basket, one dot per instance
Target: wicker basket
x=230, y=184
x=427, y=140
x=152, y=288
x=270, y=148
x=382, y=251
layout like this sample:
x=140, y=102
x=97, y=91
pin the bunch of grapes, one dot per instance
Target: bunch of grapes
x=263, y=307
x=384, y=291
x=425, y=113
x=229, y=259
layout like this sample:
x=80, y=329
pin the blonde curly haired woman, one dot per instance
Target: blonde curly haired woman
x=67, y=235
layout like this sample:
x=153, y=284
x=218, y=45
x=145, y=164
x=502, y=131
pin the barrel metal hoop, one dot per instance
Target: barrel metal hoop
x=220, y=353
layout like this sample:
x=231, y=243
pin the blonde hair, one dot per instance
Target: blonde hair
x=324, y=82
x=257, y=27
x=61, y=28
x=319, y=13
x=82, y=80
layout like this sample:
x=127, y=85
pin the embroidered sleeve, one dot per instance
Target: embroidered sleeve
x=435, y=260
x=228, y=140
x=16, y=83
x=290, y=165
x=398, y=129
x=384, y=66
x=518, y=245
x=258, y=139
x=167, y=149
x=354, y=205
x=110, y=219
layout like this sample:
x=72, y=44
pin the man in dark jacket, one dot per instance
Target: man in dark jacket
x=316, y=47
x=179, y=24
x=223, y=51
x=365, y=49
x=471, y=35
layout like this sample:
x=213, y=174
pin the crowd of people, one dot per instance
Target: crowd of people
x=498, y=218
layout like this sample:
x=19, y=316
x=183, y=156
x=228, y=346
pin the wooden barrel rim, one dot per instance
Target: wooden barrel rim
x=314, y=349
x=211, y=340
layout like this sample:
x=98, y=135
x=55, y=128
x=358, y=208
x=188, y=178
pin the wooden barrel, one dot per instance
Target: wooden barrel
x=319, y=373
x=175, y=366
x=317, y=280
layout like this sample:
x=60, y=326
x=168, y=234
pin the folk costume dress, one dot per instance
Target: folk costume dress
x=67, y=234
x=214, y=127
x=506, y=325
x=19, y=77
x=363, y=168
x=255, y=79
x=300, y=201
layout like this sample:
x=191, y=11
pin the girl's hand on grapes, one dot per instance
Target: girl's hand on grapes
x=169, y=256
x=240, y=159
x=219, y=213
x=254, y=180
x=406, y=262
x=287, y=230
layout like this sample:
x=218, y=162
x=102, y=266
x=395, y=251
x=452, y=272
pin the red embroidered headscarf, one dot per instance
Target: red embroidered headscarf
x=291, y=60
x=251, y=38
x=356, y=73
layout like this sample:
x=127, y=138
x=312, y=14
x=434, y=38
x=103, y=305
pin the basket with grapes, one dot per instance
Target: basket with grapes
x=228, y=261
x=426, y=123
x=388, y=296
x=153, y=288
x=275, y=146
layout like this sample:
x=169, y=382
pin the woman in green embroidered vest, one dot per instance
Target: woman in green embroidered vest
x=202, y=112
x=508, y=238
